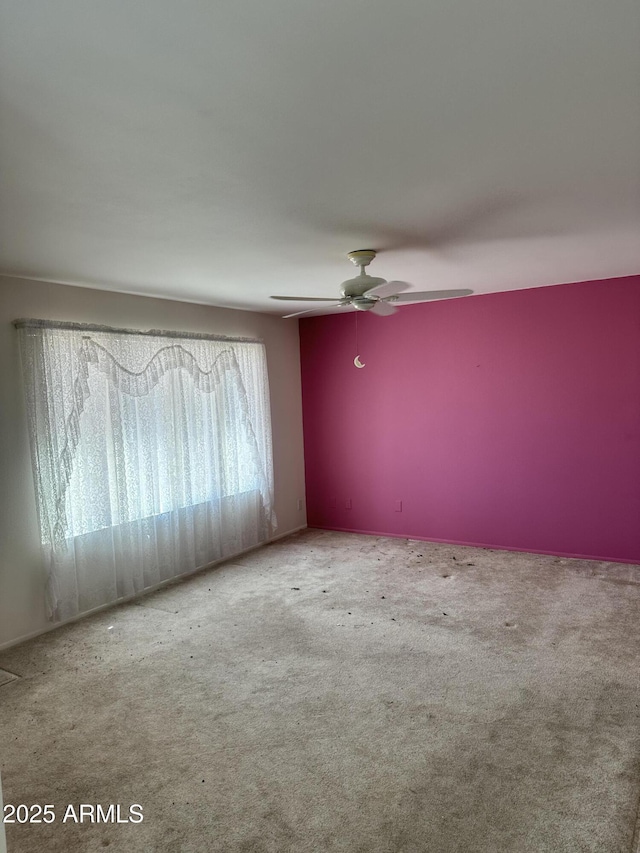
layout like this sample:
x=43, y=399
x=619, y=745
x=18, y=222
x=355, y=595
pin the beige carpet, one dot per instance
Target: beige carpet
x=336, y=692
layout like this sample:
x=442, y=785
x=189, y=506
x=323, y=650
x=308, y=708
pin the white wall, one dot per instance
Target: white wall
x=21, y=575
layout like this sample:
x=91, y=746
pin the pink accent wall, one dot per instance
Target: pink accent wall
x=510, y=420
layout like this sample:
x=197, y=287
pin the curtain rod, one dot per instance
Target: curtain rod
x=152, y=333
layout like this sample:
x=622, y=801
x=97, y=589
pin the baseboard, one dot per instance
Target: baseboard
x=129, y=598
x=567, y=555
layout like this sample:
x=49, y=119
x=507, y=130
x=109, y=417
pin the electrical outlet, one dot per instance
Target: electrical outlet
x=347, y=503
x=300, y=504
x=398, y=506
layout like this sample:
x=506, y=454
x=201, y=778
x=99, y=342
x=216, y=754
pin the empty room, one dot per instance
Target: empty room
x=319, y=427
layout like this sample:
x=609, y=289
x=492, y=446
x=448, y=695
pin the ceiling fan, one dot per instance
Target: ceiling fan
x=368, y=293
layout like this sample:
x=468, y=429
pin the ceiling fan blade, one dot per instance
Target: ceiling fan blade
x=313, y=310
x=383, y=309
x=305, y=298
x=390, y=288
x=426, y=295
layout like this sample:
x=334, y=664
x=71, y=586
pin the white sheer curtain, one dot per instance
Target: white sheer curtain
x=151, y=455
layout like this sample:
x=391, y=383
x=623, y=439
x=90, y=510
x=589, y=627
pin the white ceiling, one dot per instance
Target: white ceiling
x=224, y=151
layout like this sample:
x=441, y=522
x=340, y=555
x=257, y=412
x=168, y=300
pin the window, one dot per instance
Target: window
x=151, y=455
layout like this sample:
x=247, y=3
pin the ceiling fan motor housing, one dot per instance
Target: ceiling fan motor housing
x=360, y=284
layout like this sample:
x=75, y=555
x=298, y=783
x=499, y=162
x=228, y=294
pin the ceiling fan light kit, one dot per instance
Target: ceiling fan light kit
x=371, y=293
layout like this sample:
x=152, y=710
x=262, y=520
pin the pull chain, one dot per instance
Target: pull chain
x=356, y=360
